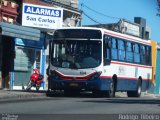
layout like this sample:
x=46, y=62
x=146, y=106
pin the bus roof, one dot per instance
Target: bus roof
x=113, y=33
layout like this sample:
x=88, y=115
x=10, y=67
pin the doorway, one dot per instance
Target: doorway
x=7, y=60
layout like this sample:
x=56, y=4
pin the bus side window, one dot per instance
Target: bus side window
x=142, y=54
x=114, y=49
x=129, y=52
x=136, y=54
x=148, y=55
x=121, y=50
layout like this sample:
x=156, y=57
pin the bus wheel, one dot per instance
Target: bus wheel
x=138, y=91
x=111, y=92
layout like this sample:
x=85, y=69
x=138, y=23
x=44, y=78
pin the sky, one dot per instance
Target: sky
x=125, y=9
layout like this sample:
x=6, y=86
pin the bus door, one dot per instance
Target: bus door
x=107, y=50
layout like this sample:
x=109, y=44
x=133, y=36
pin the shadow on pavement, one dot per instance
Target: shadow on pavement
x=127, y=101
x=29, y=91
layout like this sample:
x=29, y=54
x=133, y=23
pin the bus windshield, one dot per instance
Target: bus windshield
x=76, y=54
x=78, y=33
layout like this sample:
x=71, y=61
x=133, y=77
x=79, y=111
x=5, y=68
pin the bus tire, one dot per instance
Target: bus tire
x=138, y=91
x=112, y=91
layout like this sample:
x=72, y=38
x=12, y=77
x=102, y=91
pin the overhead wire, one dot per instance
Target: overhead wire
x=82, y=12
x=100, y=12
x=90, y=18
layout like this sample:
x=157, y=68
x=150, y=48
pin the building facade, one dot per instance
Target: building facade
x=24, y=46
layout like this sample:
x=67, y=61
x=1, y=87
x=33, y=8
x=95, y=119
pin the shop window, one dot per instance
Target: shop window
x=23, y=65
x=24, y=59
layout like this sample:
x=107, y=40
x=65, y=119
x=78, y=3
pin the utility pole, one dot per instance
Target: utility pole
x=81, y=12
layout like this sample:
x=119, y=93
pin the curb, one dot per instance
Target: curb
x=14, y=96
x=15, y=100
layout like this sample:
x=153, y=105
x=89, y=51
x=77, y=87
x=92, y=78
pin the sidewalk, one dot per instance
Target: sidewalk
x=143, y=94
x=15, y=95
x=151, y=95
x=19, y=95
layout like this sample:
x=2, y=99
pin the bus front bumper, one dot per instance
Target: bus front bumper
x=77, y=85
x=86, y=85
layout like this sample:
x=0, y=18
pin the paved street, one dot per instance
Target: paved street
x=78, y=105
x=83, y=104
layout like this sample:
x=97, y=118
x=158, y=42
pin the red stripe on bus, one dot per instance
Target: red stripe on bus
x=126, y=37
x=106, y=77
x=143, y=66
x=125, y=78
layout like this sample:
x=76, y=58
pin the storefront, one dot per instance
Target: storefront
x=27, y=56
x=23, y=47
x=21, y=51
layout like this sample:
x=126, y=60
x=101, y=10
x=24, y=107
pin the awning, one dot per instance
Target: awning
x=12, y=30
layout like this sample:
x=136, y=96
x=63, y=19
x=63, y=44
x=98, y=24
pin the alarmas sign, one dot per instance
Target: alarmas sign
x=42, y=16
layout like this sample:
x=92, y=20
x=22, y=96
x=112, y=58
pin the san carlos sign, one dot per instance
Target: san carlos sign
x=42, y=16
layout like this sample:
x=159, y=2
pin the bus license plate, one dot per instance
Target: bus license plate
x=73, y=84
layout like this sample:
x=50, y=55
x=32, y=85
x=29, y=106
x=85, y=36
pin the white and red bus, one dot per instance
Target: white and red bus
x=99, y=60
